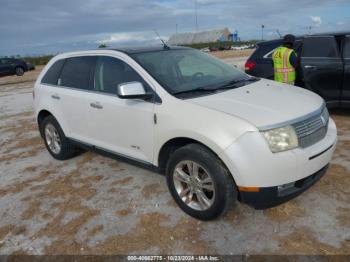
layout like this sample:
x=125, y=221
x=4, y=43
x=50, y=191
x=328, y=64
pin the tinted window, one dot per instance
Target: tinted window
x=51, y=76
x=76, y=72
x=265, y=48
x=347, y=47
x=320, y=47
x=296, y=48
x=5, y=61
x=268, y=50
x=110, y=72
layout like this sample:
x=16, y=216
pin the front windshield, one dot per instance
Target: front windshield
x=184, y=70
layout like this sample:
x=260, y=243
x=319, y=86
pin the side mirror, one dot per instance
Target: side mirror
x=133, y=90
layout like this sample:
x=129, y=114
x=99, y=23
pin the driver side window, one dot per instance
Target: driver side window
x=110, y=72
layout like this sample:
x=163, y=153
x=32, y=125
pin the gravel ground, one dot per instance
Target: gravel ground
x=95, y=205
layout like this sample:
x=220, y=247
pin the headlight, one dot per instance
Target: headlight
x=281, y=139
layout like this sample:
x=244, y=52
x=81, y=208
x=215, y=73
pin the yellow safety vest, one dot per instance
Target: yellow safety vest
x=284, y=71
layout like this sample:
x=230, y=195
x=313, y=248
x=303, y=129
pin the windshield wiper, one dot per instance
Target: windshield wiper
x=234, y=83
x=199, y=89
x=229, y=85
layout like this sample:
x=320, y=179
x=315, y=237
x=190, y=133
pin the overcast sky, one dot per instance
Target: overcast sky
x=42, y=27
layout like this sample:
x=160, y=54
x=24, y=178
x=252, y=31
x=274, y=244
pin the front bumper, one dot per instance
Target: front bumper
x=252, y=164
x=273, y=196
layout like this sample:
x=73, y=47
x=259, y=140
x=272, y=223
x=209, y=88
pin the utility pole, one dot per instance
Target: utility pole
x=196, y=15
x=262, y=32
x=309, y=30
x=176, y=28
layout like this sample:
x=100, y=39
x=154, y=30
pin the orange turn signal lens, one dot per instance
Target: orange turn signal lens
x=249, y=189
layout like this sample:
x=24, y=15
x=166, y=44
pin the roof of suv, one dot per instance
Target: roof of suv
x=146, y=49
x=301, y=36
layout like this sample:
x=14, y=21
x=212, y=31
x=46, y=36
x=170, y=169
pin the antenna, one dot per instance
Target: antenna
x=165, y=46
x=278, y=32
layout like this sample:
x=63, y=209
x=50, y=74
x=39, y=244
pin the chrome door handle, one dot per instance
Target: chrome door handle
x=96, y=105
x=55, y=96
x=310, y=67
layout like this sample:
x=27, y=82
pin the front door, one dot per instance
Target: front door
x=123, y=126
x=322, y=67
x=346, y=84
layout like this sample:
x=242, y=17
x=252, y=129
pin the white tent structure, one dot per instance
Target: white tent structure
x=200, y=37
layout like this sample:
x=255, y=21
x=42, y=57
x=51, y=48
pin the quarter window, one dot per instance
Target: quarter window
x=325, y=46
x=52, y=75
x=110, y=72
x=76, y=72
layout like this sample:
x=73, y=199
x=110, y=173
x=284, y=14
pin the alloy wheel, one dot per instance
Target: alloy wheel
x=194, y=185
x=52, y=138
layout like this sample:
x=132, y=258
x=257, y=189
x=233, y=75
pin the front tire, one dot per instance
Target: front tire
x=199, y=182
x=19, y=71
x=55, y=141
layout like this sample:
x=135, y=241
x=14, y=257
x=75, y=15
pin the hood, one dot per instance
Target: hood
x=263, y=103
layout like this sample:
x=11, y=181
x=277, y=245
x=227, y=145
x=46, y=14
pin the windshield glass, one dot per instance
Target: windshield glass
x=184, y=70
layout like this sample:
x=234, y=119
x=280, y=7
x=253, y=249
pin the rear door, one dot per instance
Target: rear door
x=322, y=67
x=346, y=84
x=73, y=95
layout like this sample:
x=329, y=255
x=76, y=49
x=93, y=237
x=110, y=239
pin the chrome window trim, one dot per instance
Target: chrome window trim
x=97, y=92
x=269, y=53
x=81, y=90
x=293, y=121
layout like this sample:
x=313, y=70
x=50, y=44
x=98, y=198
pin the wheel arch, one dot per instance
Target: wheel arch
x=19, y=66
x=173, y=144
x=41, y=116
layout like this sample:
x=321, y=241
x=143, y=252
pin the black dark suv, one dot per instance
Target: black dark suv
x=12, y=66
x=324, y=65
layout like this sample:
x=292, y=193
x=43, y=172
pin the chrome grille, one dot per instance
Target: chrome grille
x=313, y=129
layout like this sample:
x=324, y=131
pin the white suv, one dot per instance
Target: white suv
x=218, y=134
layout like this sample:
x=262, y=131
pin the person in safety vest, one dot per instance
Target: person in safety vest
x=285, y=61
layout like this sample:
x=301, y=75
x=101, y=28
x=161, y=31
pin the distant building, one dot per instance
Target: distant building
x=201, y=37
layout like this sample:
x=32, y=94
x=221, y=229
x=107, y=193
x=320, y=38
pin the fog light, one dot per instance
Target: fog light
x=285, y=189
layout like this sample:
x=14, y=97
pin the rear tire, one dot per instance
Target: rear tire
x=56, y=142
x=19, y=71
x=199, y=182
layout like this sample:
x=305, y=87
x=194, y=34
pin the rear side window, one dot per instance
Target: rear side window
x=52, y=75
x=76, y=72
x=265, y=49
x=325, y=46
x=347, y=47
x=110, y=72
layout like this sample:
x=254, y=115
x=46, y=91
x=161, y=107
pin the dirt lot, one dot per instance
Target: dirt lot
x=96, y=205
